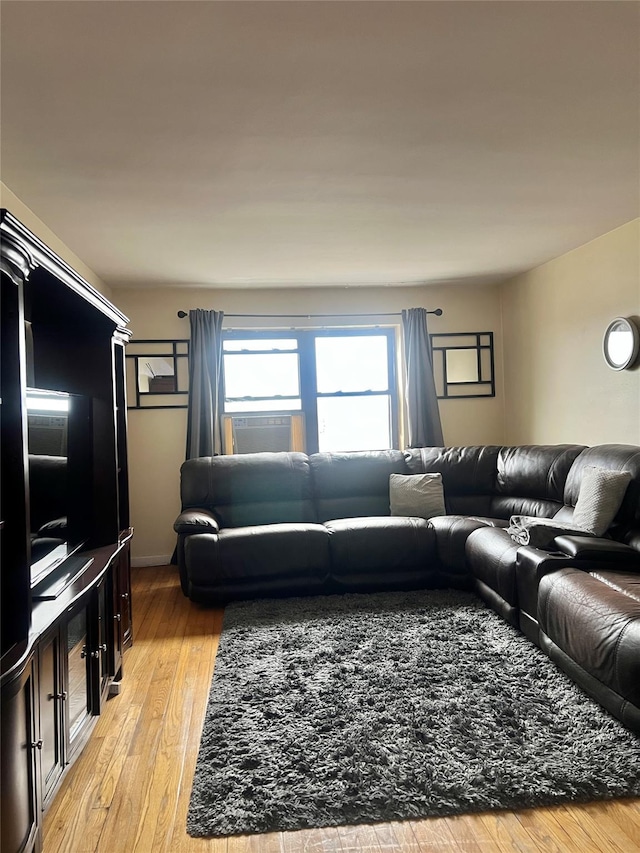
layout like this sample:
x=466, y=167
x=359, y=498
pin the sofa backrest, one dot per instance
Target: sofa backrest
x=468, y=475
x=530, y=479
x=247, y=489
x=353, y=484
x=498, y=482
x=267, y=488
x=613, y=457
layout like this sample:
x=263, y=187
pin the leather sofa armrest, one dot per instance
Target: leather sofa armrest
x=596, y=549
x=532, y=564
x=539, y=561
x=195, y=521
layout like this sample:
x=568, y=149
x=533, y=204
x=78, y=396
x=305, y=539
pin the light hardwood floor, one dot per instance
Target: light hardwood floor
x=129, y=790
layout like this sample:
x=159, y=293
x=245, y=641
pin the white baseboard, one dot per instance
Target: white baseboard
x=139, y=562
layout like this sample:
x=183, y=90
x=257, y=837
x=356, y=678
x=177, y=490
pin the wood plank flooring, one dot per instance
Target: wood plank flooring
x=129, y=790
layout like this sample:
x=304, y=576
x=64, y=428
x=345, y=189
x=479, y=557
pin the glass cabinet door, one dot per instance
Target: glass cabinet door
x=102, y=646
x=51, y=698
x=77, y=704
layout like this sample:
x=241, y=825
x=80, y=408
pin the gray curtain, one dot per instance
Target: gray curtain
x=204, y=434
x=425, y=428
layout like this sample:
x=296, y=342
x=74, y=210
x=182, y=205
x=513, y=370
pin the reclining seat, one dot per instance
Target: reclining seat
x=530, y=481
x=248, y=526
x=590, y=628
x=483, y=488
x=507, y=575
x=589, y=612
x=369, y=548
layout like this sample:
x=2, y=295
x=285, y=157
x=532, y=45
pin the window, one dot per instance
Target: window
x=341, y=381
x=261, y=375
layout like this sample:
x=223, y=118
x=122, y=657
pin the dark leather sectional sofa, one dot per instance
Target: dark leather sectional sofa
x=276, y=524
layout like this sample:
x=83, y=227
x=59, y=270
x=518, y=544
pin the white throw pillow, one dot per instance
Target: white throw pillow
x=600, y=497
x=419, y=495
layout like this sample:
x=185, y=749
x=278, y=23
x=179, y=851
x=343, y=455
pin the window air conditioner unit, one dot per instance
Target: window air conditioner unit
x=258, y=433
x=47, y=435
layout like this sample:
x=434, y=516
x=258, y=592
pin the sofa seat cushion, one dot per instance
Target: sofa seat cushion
x=452, y=532
x=384, y=550
x=491, y=556
x=259, y=552
x=594, y=617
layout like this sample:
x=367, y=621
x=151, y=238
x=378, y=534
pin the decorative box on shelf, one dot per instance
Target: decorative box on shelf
x=162, y=384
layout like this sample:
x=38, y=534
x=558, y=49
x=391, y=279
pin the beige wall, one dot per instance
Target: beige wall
x=12, y=203
x=550, y=321
x=557, y=385
x=157, y=437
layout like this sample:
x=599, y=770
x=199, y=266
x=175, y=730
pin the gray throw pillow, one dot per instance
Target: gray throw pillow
x=601, y=494
x=419, y=495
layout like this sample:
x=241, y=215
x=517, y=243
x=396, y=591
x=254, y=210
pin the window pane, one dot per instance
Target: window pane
x=261, y=375
x=260, y=344
x=352, y=364
x=354, y=423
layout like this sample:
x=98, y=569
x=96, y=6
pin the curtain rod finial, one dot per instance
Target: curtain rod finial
x=183, y=314
x=438, y=312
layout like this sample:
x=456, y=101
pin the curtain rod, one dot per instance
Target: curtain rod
x=436, y=311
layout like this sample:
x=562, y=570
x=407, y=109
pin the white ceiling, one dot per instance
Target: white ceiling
x=321, y=143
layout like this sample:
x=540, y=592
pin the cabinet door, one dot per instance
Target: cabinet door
x=127, y=615
x=124, y=592
x=78, y=704
x=116, y=646
x=121, y=611
x=100, y=636
x=18, y=769
x=105, y=635
x=51, y=696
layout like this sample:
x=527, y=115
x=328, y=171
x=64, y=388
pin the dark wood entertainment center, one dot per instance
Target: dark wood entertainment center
x=65, y=584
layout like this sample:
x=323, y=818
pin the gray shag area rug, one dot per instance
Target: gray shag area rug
x=361, y=708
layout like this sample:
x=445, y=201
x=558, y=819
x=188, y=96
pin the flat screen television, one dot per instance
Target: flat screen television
x=60, y=479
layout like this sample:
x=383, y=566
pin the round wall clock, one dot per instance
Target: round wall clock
x=621, y=343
